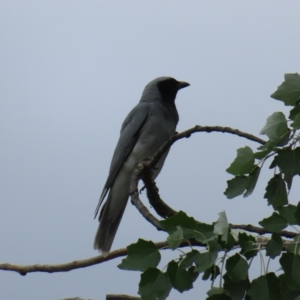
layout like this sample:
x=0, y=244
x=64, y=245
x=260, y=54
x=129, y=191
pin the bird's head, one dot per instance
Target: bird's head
x=165, y=88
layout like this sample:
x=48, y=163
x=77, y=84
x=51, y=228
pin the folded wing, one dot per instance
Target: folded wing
x=129, y=135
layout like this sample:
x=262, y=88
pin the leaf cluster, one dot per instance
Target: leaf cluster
x=232, y=271
x=229, y=273
x=282, y=145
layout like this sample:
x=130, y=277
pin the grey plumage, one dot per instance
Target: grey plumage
x=145, y=129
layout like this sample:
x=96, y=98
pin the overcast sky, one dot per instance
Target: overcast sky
x=70, y=72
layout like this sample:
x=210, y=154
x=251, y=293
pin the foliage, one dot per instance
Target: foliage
x=226, y=253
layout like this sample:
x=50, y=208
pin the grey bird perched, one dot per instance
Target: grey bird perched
x=143, y=132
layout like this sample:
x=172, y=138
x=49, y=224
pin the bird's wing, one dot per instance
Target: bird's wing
x=130, y=131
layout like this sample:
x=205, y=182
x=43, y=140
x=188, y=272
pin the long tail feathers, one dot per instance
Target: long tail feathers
x=110, y=221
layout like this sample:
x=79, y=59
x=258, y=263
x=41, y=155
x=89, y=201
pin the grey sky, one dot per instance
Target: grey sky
x=70, y=72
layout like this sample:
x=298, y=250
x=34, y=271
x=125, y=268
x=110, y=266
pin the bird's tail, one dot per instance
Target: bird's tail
x=111, y=216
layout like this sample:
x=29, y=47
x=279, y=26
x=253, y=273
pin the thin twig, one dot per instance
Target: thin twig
x=262, y=231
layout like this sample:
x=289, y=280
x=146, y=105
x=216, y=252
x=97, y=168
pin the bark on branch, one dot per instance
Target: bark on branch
x=198, y=128
x=78, y=264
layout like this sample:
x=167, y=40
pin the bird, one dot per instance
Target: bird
x=147, y=126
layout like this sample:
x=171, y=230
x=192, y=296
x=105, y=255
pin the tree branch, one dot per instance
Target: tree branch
x=161, y=208
x=78, y=264
x=198, y=128
x=144, y=172
x=262, y=231
x=65, y=267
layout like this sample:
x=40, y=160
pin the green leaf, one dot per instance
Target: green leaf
x=274, y=245
x=215, y=291
x=276, y=192
x=297, y=214
x=253, y=176
x=204, y=261
x=213, y=246
x=288, y=213
x=294, y=247
x=217, y=294
x=239, y=184
x=190, y=259
x=175, y=238
x=236, y=290
x=265, y=287
x=276, y=129
x=221, y=226
x=237, y=268
x=296, y=123
x=207, y=259
x=229, y=243
x=141, y=256
x=286, y=292
x=243, y=163
x=194, y=275
x=289, y=90
x=205, y=233
x=265, y=149
x=191, y=228
x=248, y=248
x=290, y=263
x=294, y=112
x=273, y=164
x=180, y=278
x=236, y=186
x=154, y=285
x=274, y=223
x=235, y=234
x=180, y=219
x=288, y=161
x=213, y=272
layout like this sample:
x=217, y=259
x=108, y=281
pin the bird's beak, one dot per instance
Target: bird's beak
x=182, y=84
